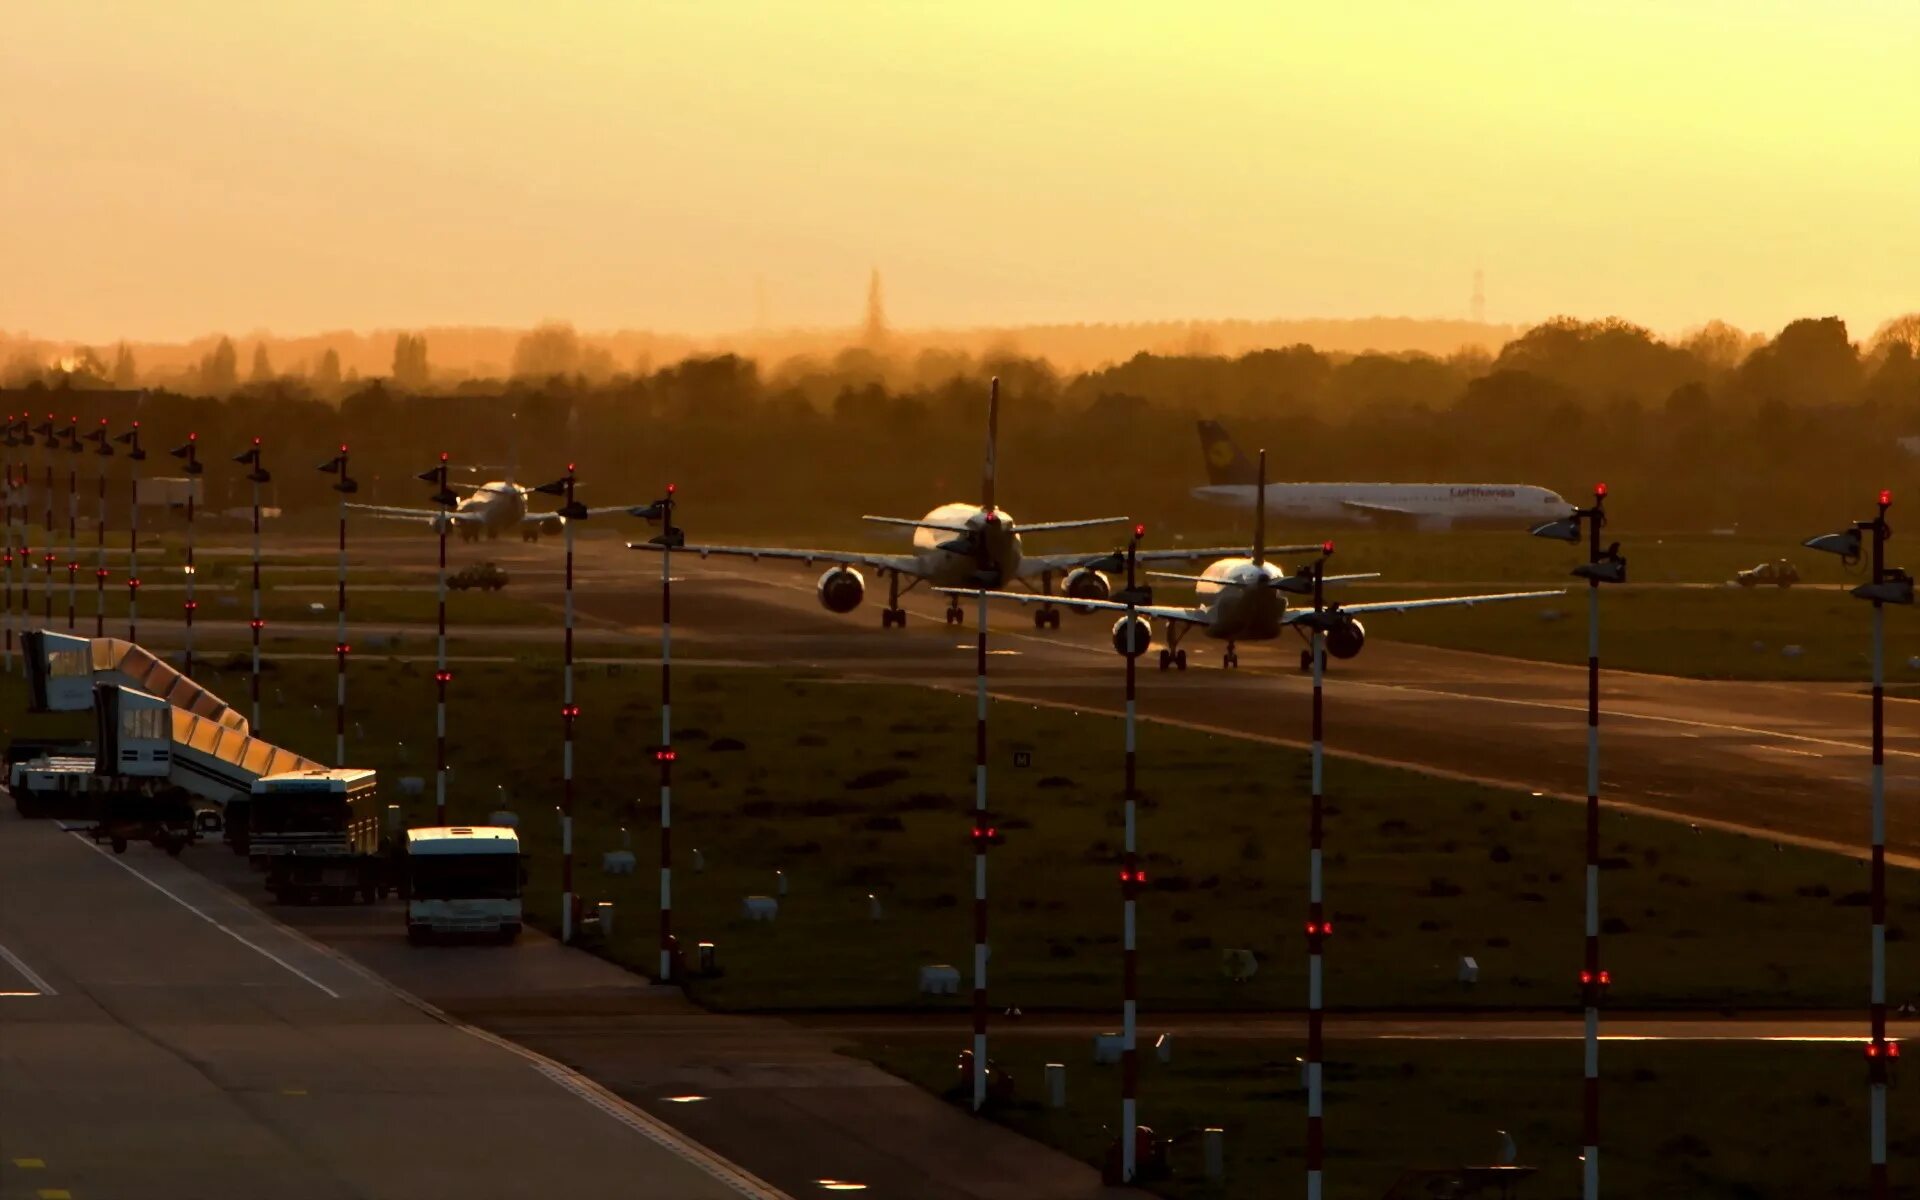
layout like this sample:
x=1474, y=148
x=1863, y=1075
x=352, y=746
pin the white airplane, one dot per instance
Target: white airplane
x=969, y=546
x=1243, y=600
x=487, y=510
x=1428, y=507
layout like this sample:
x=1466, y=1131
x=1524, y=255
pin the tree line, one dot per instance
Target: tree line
x=1712, y=430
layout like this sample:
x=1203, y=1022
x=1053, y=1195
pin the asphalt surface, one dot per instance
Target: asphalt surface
x=160, y=1041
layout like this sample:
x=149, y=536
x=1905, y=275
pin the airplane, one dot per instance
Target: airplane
x=961, y=545
x=1242, y=600
x=487, y=510
x=1428, y=507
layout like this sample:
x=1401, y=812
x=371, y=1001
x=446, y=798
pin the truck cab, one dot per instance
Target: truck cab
x=463, y=879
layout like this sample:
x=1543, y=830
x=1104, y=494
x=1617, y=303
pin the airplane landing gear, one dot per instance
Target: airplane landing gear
x=1047, y=618
x=889, y=617
x=1306, y=660
x=1231, y=658
x=956, y=615
x=1177, y=659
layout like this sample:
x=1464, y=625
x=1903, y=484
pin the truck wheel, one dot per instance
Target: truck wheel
x=119, y=845
x=174, y=846
x=508, y=934
x=417, y=935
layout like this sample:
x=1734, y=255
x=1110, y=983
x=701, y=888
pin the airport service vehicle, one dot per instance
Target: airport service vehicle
x=960, y=546
x=1780, y=573
x=1429, y=507
x=1244, y=600
x=57, y=785
x=112, y=810
x=320, y=834
x=487, y=577
x=463, y=879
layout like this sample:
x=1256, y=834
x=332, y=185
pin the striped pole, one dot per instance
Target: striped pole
x=49, y=559
x=345, y=486
x=571, y=511
x=442, y=674
x=982, y=836
x=1879, y=1050
x=250, y=457
x=670, y=536
x=135, y=456
x=1132, y=879
x=665, y=753
x=1318, y=927
x=12, y=440
x=73, y=525
x=190, y=452
x=105, y=450
x=569, y=712
x=1594, y=979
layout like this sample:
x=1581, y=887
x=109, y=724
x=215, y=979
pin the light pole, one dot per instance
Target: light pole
x=49, y=442
x=985, y=836
x=345, y=486
x=72, y=435
x=1131, y=638
x=1318, y=927
x=442, y=675
x=571, y=510
x=250, y=457
x=135, y=456
x=190, y=453
x=103, y=447
x=667, y=539
x=1602, y=566
x=1889, y=585
x=12, y=442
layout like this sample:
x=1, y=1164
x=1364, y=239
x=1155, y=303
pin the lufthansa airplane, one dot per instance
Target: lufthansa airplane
x=967, y=546
x=1429, y=507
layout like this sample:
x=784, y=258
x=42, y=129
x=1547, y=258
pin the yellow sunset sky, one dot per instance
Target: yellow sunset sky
x=171, y=169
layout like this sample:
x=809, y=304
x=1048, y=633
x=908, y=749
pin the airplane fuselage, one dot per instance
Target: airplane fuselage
x=1246, y=609
x=499, y=505
x=1423, y=505
x=948, y=559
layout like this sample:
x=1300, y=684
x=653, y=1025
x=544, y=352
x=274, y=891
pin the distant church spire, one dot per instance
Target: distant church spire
x=876, y=330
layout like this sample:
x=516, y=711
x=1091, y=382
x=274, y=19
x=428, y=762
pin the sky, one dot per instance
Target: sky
x=170, y=170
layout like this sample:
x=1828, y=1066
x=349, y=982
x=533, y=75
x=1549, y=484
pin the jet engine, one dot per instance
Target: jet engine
x=841, y=590
x=1141, y=636
x=1345, y=639
x=1083, y=583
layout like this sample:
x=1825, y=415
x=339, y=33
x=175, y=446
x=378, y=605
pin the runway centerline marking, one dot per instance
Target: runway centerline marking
x=236, y=935
x=40, y=986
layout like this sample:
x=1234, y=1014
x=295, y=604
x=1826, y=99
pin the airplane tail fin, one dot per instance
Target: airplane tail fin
x=993, y=437
x=1226, y=464
x=1260, y=511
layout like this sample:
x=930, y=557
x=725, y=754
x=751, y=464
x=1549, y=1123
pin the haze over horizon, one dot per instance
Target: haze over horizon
x=218, y=166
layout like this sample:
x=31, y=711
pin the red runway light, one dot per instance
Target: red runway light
x=443, y=676
x=671, y=489
x=1139, y=531
x=1326, y=547
x=443, y=456
x=1886, y=497
x=256, y=441
x=343, y=648
x=193, y=437
x=256, y=623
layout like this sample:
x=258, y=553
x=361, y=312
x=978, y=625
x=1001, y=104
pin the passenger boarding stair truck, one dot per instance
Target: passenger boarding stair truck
x=463, y=880
x=318, y=832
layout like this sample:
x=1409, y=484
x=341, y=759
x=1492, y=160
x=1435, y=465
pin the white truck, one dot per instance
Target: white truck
x=463, y=879
x=320, y=833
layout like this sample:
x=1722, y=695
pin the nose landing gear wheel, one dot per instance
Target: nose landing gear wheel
x=889, y=617
x=955, y=616
x=1047, y=618
x=1230, y=659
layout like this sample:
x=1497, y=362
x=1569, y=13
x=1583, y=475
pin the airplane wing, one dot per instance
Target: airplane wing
x=1049, y=526
x=948, y=526
x=1035, y=564
x=393, y=513
x=557, y=521
x=1275, y=584
x=906, y=564
x=1300, y=614
x=1193, y=616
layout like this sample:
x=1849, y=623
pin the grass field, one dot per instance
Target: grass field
x=855, y=790
x=1680, y=1119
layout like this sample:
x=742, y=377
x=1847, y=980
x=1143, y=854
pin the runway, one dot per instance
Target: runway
x=160, y=1042
x=1785, y=761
